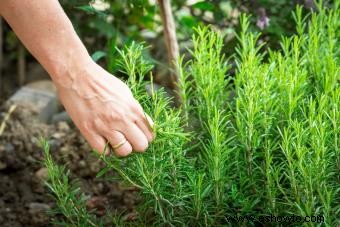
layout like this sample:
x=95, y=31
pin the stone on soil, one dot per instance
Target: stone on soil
x=41, y=95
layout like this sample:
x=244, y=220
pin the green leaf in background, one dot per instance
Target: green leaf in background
x=91, y=10
x=188, y=21
x=207, y=6
x=102, y=26
x=98, y=55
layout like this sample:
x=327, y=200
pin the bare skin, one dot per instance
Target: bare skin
x=101, y=106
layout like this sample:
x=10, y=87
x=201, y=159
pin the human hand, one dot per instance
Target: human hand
x=104, y=109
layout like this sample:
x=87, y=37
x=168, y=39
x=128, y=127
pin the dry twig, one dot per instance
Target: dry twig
x=6, y=118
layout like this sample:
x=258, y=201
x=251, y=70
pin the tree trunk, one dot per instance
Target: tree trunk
x=21, y=65
x=170, y=41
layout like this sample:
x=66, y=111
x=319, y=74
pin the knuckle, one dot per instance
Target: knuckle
x=134, y=104
x=97, y=123
x=86, y=126
x=119, y=115
x=115, y=114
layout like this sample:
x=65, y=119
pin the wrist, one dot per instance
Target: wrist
x=64, y=72
x=80, y=79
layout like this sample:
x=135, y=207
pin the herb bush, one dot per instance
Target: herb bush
x=271, y=150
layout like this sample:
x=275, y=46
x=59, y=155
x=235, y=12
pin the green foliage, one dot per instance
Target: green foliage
x=120, y=22
x=98, y=55
x=70, y=201
x=271, y=150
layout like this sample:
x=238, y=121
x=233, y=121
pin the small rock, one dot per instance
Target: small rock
x=63, y=126
x=54, y=144
x=99, y=188
x=31, y=159
x=82, y=163
x=63, y=116
x=64, y=150
x=9, y=147
x=39, y=94
x=58, y=135
x=35, y=140
x=37, y=207
x=98, y=203
x=3, y=165
x=42, y=174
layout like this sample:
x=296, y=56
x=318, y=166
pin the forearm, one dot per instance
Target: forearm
x=48, y=34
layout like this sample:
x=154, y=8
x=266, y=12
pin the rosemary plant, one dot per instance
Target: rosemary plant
x=70, y=201
x=272, y=150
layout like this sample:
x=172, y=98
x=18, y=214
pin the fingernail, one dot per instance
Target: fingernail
x=150, y=121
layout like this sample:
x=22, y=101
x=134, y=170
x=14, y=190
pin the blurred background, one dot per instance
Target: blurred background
x=104, y=25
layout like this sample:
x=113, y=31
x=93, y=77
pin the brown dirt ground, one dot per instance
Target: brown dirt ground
x=24, y=199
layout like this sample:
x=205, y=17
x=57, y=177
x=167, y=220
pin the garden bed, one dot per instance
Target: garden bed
x=24, y=200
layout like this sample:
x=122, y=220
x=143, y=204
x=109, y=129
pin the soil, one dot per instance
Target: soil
x=24, y=199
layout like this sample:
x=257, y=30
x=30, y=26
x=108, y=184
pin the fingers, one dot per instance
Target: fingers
x=136, y=137
x=144, y=121
x=116, y=138
x=143, y=126
x=136, y=130
x=116, y=132
x=96, y=141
